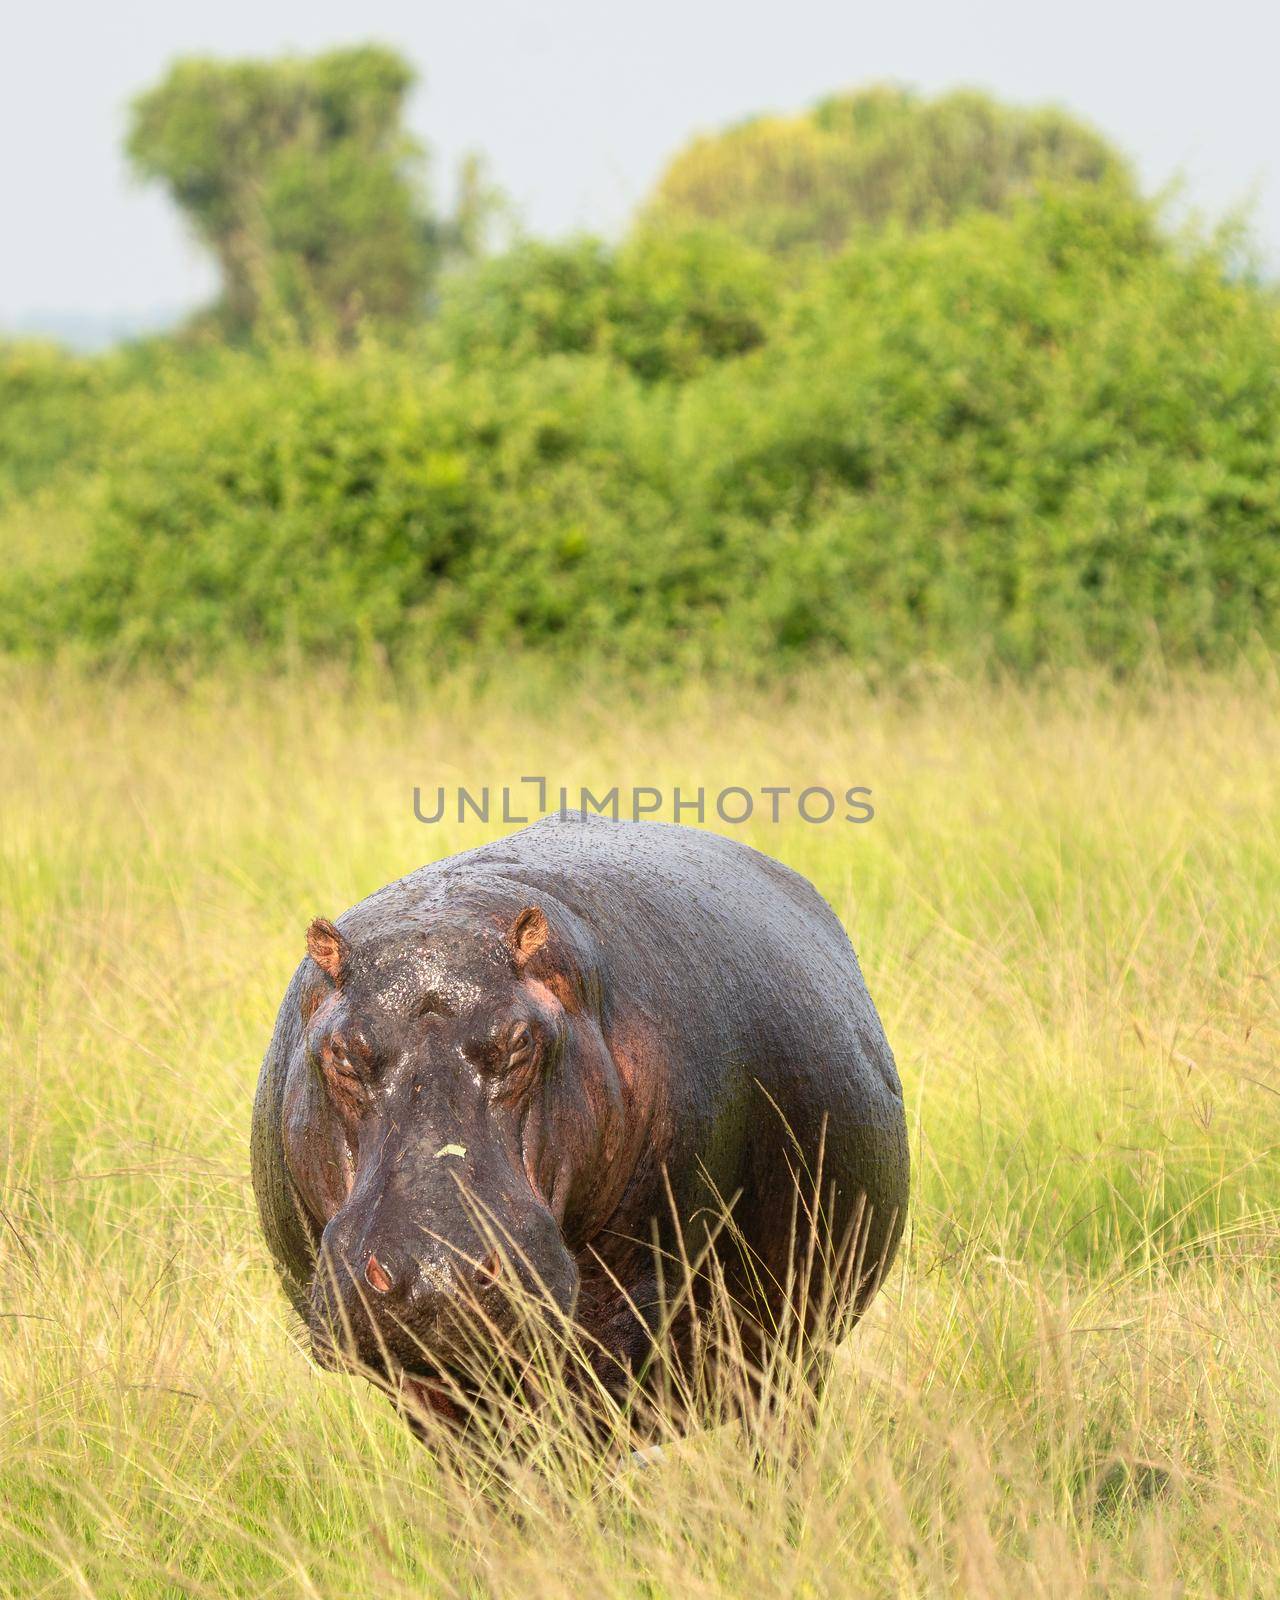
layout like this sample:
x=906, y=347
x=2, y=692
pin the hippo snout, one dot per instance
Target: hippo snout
x=413, y=1302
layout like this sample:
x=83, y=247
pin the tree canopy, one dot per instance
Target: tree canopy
x=860, y=161
x=301, y=178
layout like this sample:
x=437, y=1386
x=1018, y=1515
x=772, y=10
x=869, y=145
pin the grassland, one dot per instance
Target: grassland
x=1066, y=909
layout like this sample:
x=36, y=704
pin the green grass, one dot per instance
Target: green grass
x=1065, y=907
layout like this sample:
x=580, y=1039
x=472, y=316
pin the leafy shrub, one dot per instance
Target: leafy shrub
x=668, y=304
x=48, y=405
x=1047, y=436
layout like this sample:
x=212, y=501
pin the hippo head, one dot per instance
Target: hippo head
x=448, y=1125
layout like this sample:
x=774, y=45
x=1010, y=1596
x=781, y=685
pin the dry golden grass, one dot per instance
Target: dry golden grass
x=1065, y=907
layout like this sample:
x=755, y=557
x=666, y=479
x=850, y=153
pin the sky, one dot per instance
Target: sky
x=577, y=104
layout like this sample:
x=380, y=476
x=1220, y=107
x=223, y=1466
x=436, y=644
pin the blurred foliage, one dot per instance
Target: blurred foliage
x=666, y=305
x=301, y=179
x=48, y=402
x=1050, y=435
x=878, y=156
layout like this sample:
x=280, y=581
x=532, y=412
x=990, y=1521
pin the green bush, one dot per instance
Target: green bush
x=881, y=156
x=48, y=405
x=1047, y=436
x=667, y=305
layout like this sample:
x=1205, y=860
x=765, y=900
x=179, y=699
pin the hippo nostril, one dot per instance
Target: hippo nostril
x=490, y=1269
x=377, y=1277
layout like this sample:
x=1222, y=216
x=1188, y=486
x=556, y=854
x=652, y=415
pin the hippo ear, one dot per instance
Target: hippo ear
x=527, y=934
x=327, y=948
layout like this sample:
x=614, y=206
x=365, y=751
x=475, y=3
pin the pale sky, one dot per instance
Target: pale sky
x=577, y=103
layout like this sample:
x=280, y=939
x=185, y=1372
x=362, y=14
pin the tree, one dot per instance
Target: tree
x=859, y=161
x=300, y=177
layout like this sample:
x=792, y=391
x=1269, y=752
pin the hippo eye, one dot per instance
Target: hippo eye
x=349, y=1053
x=343, y=1080
x=522, y=1046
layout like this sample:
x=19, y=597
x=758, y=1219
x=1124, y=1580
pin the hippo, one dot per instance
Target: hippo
x=541, y=1069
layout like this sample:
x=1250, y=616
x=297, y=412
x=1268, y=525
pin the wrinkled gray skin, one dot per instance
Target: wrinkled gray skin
x=619, y=1025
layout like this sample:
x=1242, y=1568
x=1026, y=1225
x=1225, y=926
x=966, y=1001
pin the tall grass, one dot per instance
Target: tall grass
x=1065, y=907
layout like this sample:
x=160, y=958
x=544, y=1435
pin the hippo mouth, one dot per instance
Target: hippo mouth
x=419, y=1388
x=424, y=1387
x=428, y=1391
x=423, y=1391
